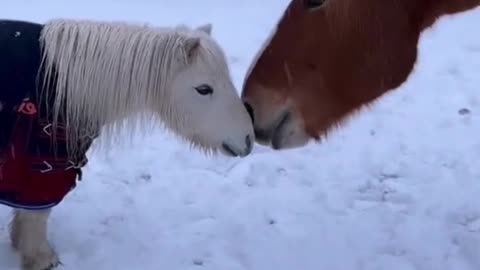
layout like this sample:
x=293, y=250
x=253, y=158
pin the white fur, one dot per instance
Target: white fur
x=28, y=234
x=112, y=75
x=115, y=75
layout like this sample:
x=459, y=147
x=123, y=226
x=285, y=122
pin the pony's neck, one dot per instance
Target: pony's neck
x=130, y=88
x=432, y=10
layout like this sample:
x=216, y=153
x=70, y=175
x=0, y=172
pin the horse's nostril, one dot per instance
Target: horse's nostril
x=249, y=110
x=249, y=142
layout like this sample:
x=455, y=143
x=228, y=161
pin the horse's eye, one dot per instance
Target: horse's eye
x=204, y=89
x=313, y=3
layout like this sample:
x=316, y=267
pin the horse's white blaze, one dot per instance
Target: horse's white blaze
x=113, y=75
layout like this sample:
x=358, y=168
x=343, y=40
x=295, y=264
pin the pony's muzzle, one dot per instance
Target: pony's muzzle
x=235, y=150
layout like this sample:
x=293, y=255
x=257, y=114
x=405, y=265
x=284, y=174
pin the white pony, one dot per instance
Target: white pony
x=116, y=75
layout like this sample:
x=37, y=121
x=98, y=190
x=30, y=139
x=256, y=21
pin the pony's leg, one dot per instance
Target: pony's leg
x=28, y=233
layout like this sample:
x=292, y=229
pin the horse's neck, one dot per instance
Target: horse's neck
x=390, y=77
x=432, y=10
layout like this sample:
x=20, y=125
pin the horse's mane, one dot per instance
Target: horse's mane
x=102, y=72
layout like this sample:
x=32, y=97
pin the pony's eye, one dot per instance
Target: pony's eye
x=204, y=89
x=313, y=3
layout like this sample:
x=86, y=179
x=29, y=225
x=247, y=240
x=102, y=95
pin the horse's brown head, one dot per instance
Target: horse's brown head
x=327, y=58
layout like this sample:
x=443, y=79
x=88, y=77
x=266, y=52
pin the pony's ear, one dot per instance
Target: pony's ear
x=207, y=28
x=191, y=45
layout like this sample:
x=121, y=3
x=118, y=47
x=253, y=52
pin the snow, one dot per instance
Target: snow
x=397, y=188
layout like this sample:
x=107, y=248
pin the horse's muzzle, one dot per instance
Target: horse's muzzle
x=250, y=111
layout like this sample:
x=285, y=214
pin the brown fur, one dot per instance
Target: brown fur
x=323, y=64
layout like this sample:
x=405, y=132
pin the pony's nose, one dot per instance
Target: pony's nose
x=236, y=150
x=249, y=110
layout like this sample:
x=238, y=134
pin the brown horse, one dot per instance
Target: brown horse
x=328, y=58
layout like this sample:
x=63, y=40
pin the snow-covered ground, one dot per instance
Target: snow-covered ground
x=398, y=188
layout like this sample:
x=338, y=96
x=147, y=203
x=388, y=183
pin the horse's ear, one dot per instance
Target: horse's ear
x=207, y=28
x=191, y=46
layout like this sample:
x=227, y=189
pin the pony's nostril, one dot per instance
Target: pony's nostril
x=249, y=110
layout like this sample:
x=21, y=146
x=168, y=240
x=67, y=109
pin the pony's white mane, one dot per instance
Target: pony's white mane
x=107, y=73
